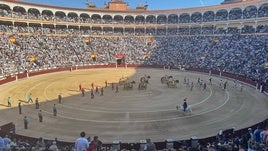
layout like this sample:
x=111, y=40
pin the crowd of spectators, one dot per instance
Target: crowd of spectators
x=196, y=17
x=221, y=15
x=184, y=30
x=11, y=143
x=236, y=54
x=243, y=55
x=251, y=139
x=235, y=14
x=250, y=13
x=208, y=16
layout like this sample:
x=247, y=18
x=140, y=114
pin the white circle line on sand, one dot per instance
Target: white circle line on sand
x=155, y=111
x=45, y=91
x=204, y=99
x=146, y=121
x=138, y=95
x=131, y=112
x=230, y=115
x=28, y=91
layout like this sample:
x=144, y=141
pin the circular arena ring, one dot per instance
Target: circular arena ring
x=130, y=115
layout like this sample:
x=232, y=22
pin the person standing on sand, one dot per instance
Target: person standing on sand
x=19, y=107
x=92, y=94
x=54, y=110
x=80, y=87
x=36, y=103
x=59, y=97
x=92, y=85
x=30, y=100
x=9, y=101
x=83, y=91
x=40, y=116
x=25, y=121
x=106, y=83
x=102, y=90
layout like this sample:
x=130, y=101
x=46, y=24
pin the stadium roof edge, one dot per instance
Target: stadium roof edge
x=101, y=10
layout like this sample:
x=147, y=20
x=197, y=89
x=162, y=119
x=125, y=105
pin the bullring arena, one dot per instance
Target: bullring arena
x=214, y=57
x=131, y=115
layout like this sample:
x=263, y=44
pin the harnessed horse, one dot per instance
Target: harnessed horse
x=188, y=109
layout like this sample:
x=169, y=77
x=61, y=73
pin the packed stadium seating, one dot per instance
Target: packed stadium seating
x=232, y=39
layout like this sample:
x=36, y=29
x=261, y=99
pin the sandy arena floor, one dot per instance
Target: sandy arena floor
x=130, y=115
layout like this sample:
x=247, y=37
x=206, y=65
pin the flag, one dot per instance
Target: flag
x=149, y=40
x=93, y=57
x=120, y=58
x=146, y=55
x=31, y=58
x=87, y=41
x=12, y=39
x=202, y=58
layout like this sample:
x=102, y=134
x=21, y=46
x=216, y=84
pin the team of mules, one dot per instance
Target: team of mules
x=122, y=80
x=128, y=85
x=170, y=81
x=144, y=81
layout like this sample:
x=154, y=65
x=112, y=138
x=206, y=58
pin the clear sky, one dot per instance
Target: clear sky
x=153, y=4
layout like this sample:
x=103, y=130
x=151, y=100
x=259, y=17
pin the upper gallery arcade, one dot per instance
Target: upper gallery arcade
x=117, y=14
